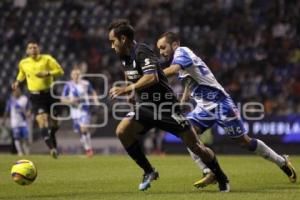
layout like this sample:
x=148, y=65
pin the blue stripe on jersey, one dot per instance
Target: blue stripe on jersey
x=8, y=104
x=90, y=88
x=207, y=93
x=66, y=90
x=203, y=70
x=22, y=114
x=183, y=59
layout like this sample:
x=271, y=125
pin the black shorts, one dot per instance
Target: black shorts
x=41, y=103
x=171, y=121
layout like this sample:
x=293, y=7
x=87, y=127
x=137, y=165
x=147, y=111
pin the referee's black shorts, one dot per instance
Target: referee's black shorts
x=171, y=121
x=41, y=103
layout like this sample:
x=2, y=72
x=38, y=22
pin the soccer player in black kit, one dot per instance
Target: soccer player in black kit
x=156, y=106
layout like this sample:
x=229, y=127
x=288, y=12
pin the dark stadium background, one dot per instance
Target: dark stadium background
x=252, y=46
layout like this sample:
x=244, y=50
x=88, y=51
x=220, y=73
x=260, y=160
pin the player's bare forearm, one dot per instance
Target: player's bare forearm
x=69, y=101
x=95, y=98
x=16, y=84
x=186, y=95
x=172, y=70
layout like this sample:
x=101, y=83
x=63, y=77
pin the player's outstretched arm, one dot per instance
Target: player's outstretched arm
x=95, y=97
x=186, y=95
x=15, y=85
x=172, y=70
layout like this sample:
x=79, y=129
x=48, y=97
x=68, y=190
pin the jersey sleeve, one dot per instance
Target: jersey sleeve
x=182, y=58
x=55, y=68
x=147, y=61
x=90, y=88
x=26, y=104
x=66, y=91
x=7, y=106
x=23, y=102
x=21, y=74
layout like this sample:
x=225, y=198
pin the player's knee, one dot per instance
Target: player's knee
x=42, y=120
x=121, y=133
x=243, y=142
x=84, y=129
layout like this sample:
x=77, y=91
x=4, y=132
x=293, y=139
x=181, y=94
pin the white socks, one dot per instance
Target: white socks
x=266, y=152
x=86, y=141
x=25, y=146
x=199, y=162
x=261, y=149
x=19, y=148
x=22, y=147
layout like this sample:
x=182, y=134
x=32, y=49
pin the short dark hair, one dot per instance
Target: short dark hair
x=32, y=40
x=122, y=27
x=170, y=37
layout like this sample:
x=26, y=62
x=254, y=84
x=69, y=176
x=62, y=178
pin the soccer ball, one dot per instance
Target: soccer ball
x=23, y=172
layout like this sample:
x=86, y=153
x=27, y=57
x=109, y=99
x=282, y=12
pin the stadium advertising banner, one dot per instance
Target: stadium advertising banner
x=277, y=129
x=284, y=129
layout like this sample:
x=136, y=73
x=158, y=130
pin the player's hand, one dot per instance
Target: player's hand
x=15, y=85
x=28, y=114
x=43, y=74
x=97, y=102
x=116, y=91
x=75, y=101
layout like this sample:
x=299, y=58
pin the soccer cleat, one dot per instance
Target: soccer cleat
x=53, y=153
x=289, y=170
x=224, y=186
x=89, y=153
x=207, y=179
x=223, y=183
x=147, y=178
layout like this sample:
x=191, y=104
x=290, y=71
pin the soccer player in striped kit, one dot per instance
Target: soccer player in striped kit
x=79, y=94
x=17, y=108
x=214, y=105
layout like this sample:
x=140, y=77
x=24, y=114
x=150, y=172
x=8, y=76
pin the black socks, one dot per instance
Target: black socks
x=136, y=153
x=46, y=136
x=52, y=132
x=216, y=169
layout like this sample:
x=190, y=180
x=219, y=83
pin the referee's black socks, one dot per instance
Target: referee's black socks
x=136, y=153
x=46, y=136
x=52, y=132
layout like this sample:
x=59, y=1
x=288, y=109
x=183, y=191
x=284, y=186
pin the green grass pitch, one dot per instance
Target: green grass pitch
x=117, y=177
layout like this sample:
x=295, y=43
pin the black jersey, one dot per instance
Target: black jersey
x=143, y=61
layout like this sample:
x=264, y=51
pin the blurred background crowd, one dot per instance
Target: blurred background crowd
x=253, y=47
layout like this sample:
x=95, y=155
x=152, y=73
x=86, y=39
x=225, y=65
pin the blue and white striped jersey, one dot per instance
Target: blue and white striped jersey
x=81, y=91
x=205, y=89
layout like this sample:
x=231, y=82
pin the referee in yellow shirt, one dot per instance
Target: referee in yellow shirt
x=39, y=71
